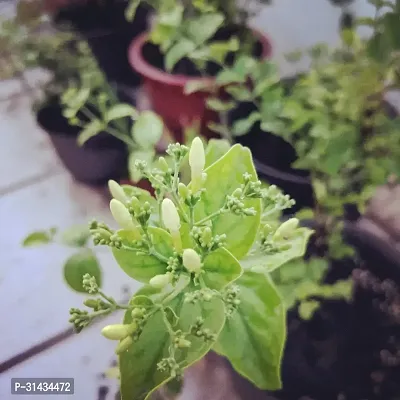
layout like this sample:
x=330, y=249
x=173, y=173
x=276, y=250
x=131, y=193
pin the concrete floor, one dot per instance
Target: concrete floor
x=36, y=192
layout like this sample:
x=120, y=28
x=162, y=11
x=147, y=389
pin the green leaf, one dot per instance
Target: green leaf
x=223, y=179
x=121, y=111
x=240, y=93
x=84, y=262
x=227, y=76
x=76, y=236
x=221, y=268
x=215, y=149
x=144, y=155
x=196, y=85
x=270, y=262
x=243, y=126
x=218, y=51
x=392, y=29
x=178, y=51
x=171, y=14
x=147, y=130
x=130, y=11
x=138, y=366
x=37, y=239
x=144, y=267
x=308, y=308
x=219, y=105
x=204, y=27
x=253, y=338
x=90, y=130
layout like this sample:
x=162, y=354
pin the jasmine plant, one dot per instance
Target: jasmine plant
x=205, y=255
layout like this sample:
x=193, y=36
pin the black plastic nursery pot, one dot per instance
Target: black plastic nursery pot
x=108, y=33
x=101, y=158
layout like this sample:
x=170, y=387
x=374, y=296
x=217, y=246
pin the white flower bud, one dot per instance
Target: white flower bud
x=117, y=192
x=121, y=215
x=197, y=161
x=118, y=331
x=170, y=216
x=160, y=281
x=191, y=261
x=286, y=229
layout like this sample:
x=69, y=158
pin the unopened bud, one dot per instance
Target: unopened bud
x=183, y=343
x=117, y=192
x=286, y=229
x=163, y=164
x=191, y=261
x=206, y=236
x=91, y=303
x=121, y=215
x=170, y=216
x=124, y=345
x=135, y=204
x=118, y=331
x=197, y=161
x=160, y=281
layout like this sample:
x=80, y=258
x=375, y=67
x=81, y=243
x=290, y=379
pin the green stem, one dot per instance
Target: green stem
x=210, y=217
x=179, y=205
x=155, y=253
x=191, y=217
x=124, y=138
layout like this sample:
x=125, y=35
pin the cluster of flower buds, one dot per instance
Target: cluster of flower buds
x=140, y=212
x=79, y=318
x=89, y=284
x=170, y=365
x=199, y=295
x=200, y=332
x=189, y=197
x=235, y=204
x=101, y=233
x=180, y=341
x=231, y=299
x=251, y=189
x=204, y=238
x=274, y=199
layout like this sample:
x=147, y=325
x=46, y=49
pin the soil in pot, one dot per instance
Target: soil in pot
x=101, y=158
x=108, y=33
x=166, y=90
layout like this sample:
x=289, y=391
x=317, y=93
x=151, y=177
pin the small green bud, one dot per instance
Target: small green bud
x=170, y=216
x=138, y=312
x=163, y=164
x=238, y=193
x=117, y=191
x=91, y=303
x=118, y=331
x=124, y=345
x=191, y=261
x=183, y=343
x=160, y=281
x=206, y=236
x=183, y=191
x=286, y=229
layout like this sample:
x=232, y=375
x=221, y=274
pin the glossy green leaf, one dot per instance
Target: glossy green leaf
x=79, y=264
x=223, y=177
x=76, y=236
x=37, y=239
x=179, y=50
x=144, y=155
x=138, y=366
x=90, y=130
x=262, y=262
x=202, y=28
x=240, y=93
x=243, y=126
x=253, y=338
x=220, y=269
x=121, y=111
x=197, y=85
x=215, y=149
x=144, y=267
x=147, y=130
x=218, y=51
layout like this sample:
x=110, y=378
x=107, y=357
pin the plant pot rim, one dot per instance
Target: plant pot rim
x=147, y=70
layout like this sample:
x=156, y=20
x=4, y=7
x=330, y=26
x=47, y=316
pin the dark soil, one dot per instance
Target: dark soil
x=154, y=56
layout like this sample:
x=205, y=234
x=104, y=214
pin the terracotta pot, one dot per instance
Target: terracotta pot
x=166, y=90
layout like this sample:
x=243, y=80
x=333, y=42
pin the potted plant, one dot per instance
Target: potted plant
x=202, y=255
x=103, y=25
x=190, y=41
